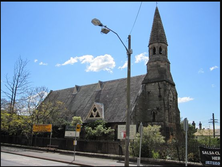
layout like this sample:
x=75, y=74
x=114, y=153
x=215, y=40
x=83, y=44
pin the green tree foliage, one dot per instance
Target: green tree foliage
x=14, y=124
x=151, y=142
x=209, y=141
x=76, y=120
x=4, y=121
x=97, y=130
x=47, y=113
x=176, y=145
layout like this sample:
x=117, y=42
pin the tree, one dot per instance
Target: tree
x=50, y=113
x=18, y=85
x=29, y=103
x=76, y=120
x=208, y=140
x=4, y=104
x=176, y=146
x=151, y=142
x=16, y=125
x=32, y=99
x=97, y=130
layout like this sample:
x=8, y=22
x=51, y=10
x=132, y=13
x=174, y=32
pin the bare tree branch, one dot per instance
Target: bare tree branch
x=19, y=83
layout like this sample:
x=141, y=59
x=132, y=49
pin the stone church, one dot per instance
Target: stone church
x=153, y=96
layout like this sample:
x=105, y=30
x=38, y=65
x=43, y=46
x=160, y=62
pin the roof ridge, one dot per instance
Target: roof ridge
x=100, y=81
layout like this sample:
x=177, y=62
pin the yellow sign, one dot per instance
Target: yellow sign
x=74, y=142
x=42, y=128
x=78, y=128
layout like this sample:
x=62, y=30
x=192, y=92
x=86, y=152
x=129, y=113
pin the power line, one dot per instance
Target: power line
x=136, y=18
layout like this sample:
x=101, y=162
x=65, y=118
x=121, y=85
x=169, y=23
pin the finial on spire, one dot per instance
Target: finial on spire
x=156, y=3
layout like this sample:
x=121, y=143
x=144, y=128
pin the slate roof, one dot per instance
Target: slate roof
x=157, y=33
x=112, y=94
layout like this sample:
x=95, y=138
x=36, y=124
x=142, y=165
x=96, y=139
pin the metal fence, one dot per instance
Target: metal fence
x=94, y=146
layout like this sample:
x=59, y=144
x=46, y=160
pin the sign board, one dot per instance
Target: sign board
x=210, y=156
x=70, y=128
x=71, y=134
x=122, y=131
x=185, y=124
x=74, y=142
x=42, y=128
x=78, y=128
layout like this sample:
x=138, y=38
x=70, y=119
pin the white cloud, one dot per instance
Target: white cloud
x=103, y=62
x=86, y=59
x=213, y=68
x=184, y=99
x=99, y=63
x=70, y=61
x=141, y=57
x=124, y=65
x=42, y=64
x=201, y=70
x=58, y=65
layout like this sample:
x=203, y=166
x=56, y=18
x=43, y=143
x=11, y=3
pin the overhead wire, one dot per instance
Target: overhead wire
x=136, y=18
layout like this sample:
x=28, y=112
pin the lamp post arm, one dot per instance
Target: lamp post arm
x=119, y=39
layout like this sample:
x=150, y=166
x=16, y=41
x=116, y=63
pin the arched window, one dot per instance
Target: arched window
x=154, y=50
x=160, y=50
x=154, y=117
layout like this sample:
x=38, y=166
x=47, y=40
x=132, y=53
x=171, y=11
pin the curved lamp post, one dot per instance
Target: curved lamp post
x=106, y=30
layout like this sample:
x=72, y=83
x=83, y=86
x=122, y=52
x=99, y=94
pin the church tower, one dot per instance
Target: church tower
x=157, y=103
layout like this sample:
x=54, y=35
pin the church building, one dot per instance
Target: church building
x=153, y=96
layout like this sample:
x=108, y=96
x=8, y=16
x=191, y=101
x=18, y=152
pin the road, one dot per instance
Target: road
x=63, y=158
x=18, y=160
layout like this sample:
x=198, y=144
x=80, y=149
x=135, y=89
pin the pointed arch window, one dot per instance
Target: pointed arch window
x=154, y=117
x=160, y=50
x=154, y=50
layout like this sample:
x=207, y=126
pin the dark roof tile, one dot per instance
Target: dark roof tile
x=112, y=95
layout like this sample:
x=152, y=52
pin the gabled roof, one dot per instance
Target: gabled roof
x=112, y=95
x=157, y=33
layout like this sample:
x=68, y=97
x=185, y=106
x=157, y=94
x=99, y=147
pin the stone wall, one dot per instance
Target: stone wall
x=157, y=105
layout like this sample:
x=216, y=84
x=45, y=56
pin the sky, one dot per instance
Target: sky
x=64, y=48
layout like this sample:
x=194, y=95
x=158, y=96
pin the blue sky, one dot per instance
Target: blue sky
x=65, y=49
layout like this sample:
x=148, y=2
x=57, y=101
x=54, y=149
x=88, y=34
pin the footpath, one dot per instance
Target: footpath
x=86, y=158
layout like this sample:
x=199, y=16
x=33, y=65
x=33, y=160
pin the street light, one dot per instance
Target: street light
x=106, y=30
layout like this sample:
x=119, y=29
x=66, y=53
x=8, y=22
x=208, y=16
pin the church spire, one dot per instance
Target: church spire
x=157, y=33
x=158, y=66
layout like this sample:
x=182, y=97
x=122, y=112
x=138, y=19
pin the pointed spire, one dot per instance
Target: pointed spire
x=157, y=33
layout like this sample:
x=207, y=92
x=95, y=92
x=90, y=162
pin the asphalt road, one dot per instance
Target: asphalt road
x=61, y=158
x=81, y=159
x=18, y=160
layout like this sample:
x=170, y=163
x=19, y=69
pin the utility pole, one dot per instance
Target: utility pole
x=128, y=104
x=213, y=121
x=185, y=127
x=105, y=30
